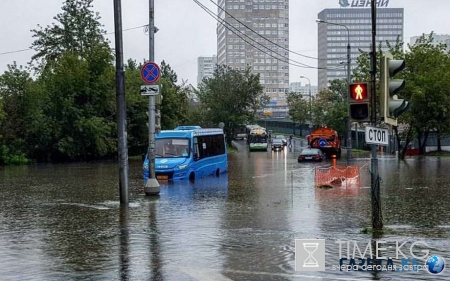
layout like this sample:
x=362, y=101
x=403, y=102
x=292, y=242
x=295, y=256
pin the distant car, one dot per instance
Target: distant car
x=277, y=144
x=311, y=154
x=282, y=138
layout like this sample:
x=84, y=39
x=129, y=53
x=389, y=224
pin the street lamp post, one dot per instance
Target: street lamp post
x=349, y=81
x=310, y=107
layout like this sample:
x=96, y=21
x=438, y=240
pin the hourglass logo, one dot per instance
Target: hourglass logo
x=310, y=254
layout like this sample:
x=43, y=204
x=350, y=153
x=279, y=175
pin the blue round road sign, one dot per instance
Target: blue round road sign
x=322, y=142
x=150, y=72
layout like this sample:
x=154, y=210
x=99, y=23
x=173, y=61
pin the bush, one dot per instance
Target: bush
x=11, y=158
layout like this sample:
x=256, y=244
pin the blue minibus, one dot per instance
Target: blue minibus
x=188, y=154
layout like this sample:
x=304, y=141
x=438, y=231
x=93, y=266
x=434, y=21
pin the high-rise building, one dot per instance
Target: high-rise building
x=437, y=39
x=333, y=39
x=304, y=90
x=206, y=67
x=241, y=43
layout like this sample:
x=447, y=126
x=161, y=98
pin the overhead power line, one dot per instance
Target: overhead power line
x=16, y=51
x=225, y=23
x=265, y=38
x=30, y=49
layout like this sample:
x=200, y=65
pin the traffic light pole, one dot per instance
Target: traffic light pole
x=377, y=221
x=349, y=120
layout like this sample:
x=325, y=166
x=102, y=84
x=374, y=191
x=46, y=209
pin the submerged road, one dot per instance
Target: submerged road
x=64, y=222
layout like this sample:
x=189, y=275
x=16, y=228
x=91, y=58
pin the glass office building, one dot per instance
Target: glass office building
x=333, y=39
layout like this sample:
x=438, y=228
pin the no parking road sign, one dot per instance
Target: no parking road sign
x=150, y=72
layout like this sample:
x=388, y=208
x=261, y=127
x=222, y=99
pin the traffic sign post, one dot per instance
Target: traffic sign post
x=378, y=136
x=150, y=73
x=149, y=90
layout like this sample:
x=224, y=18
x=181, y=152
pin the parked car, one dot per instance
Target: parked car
x=311, y=154
x=277, y=144
x=282, y=138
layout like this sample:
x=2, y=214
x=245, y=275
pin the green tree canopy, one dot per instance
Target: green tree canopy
x=77, y=30
x=330, y=106
x=231, y=96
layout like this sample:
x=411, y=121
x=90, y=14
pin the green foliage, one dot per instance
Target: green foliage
x=427, y=88
x=175, y=102
x=230, y=96
x=8, y=158
x=330, y=106
x=78, y=30
x=298, y=108
x=81, y=110
x=15, y=91
x=68, y=112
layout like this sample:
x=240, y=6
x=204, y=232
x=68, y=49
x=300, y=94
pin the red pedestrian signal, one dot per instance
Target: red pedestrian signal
x=359, y=102
x=358, y=91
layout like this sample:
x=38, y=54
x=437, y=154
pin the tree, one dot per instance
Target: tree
x=82, y=109
x=231, y=96
x=175, y=102
x=15, y=92
x=78, y=30
x=427, y=89
x=429, y=78
x=330, y=106
x=298, y=108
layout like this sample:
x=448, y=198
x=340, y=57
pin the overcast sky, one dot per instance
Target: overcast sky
x=187, y=32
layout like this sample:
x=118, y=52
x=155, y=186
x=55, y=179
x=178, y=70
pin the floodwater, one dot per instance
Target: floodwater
x=64, y=222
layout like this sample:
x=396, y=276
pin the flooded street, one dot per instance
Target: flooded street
x=64, y=222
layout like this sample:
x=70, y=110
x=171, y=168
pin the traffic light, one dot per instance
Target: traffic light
x=359, y=102
x=391, y=107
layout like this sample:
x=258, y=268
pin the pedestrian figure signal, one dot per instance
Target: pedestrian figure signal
x=359, y=102
x=359, y=92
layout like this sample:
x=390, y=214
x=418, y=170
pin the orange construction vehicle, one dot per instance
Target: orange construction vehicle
x=327, y=140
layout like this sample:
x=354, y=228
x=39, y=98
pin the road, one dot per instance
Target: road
x=64, y=222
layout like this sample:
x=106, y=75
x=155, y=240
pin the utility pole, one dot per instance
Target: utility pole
x=120, y=105
x=349, y=81
x=377, y=219
x=152, y=185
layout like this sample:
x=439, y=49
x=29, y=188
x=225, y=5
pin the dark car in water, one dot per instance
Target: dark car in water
x=277, y=144
x=311, y=154
x=282, y=138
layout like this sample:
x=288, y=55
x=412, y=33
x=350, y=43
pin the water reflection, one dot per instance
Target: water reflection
x=124, y=253
x=154, y=243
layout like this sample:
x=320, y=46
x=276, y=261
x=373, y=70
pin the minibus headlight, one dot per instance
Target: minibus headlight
x=181, y=167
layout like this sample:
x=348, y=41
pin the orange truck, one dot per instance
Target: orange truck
x=327, y=140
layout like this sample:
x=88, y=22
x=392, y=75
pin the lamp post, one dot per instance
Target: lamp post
x=349, y=121
x=310, y=107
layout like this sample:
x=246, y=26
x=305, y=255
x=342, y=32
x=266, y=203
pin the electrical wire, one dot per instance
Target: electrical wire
x=280, y=46
x=296, y=63
x=216, y=17
x=30, y=49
